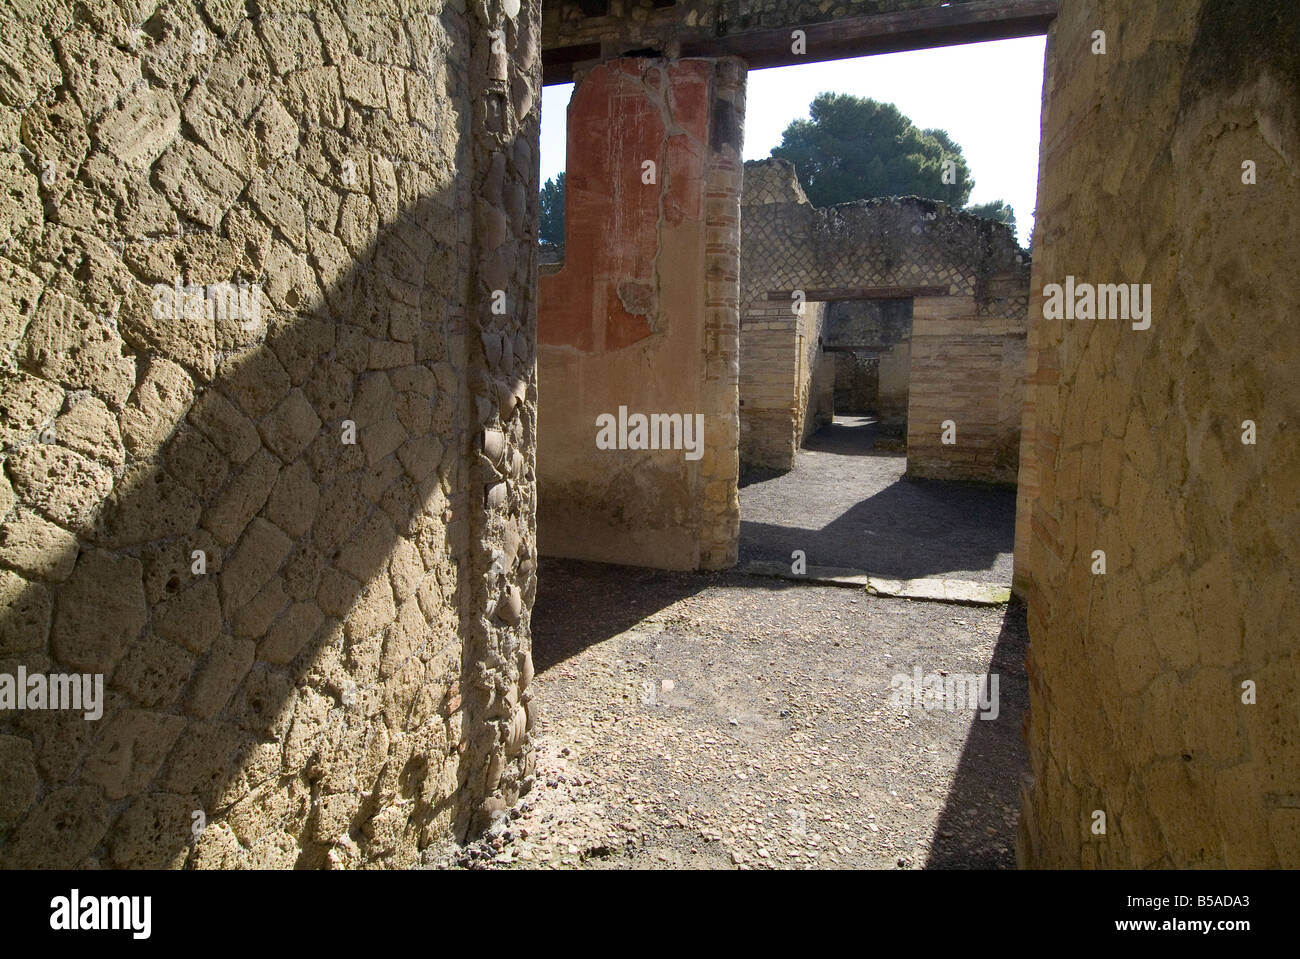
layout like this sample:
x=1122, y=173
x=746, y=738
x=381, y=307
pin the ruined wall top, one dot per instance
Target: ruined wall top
x=889, y=241
x=771, y=180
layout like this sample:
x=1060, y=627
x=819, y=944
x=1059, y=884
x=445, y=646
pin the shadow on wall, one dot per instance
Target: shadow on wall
x=289, y=615
x=259, y=671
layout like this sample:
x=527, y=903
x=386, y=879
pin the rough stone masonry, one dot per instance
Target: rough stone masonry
x=296, y=540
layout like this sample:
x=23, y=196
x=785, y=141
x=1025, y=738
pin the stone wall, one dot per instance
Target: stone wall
x=290, y=526
x=869, y=323
x=967, y=374
x=816, y=374
x=769, y=404
x=1137, y=674
x=968, y=283
x=787, y=380
x=882, y=330
x=857, y=382
x=641, y=318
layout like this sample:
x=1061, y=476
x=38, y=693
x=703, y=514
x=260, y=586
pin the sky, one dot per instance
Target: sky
x=986, y=95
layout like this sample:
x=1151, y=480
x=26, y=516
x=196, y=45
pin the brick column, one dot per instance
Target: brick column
x=643, y=316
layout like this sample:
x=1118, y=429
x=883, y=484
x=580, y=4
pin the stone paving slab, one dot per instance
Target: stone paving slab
x=935, y=590
x=822, y=575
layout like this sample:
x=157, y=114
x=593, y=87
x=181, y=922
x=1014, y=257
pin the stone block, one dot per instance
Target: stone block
x=25, y=614
x=253, y=619
x=99, y=611
x=191, y=618
x=138, y=130
x=153, y=833
x=36, y=547
x=228, y=429
x=264, y=706
x=219, y=676
x=158, y=404
x=291, y=633
x=292, y=505
x=195, y=462
x=256, y=382
x=366, y=551
x=60, y=833
x=153, y=672
x=373, y=611
x=289, y=428
x=196, y=183
x=243, y=498
x=259, y=554
x=29, y=404
x=148, y=504
x=201, y=761
x=68, y=344
x=90, y=428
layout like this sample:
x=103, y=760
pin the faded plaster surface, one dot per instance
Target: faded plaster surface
x=642, y=315
x=1136, y=675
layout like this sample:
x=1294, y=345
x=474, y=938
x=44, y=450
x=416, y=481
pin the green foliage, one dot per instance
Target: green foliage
x=998, y=210
x=856, y=149
x=550, y=217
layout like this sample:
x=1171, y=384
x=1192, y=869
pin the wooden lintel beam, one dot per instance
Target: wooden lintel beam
x=849, y=36
x=861, y=36
x=832, y=294
x=557, y=64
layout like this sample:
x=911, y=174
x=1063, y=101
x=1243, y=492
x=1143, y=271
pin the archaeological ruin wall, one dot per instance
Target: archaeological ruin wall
x=968, y=283
x=786, y=381
x=1157, y=550
x=870, y=346
x=637, y=328
x=814, y=373
x=269, y=411
x=266, y=286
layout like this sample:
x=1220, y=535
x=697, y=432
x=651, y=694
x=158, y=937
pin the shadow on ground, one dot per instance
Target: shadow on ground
x=770, y=700
x=850, y=436
x=580, y=604
x=844, y=504
x=718, y=720
x=987, y=778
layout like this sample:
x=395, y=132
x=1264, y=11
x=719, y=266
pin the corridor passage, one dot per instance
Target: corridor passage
x=723, y=720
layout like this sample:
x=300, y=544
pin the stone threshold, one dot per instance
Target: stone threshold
x=959, y=591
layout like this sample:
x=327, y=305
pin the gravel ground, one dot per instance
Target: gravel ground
x=749, y=723
x=720, y=721
x=844, y=504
